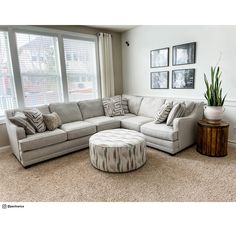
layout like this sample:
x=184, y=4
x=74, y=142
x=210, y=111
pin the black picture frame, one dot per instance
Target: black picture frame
x=159, y=84
x=184, y=54
x=156, y=58
x=183, y=79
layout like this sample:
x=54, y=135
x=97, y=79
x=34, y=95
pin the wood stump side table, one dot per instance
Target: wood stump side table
x=212, y=139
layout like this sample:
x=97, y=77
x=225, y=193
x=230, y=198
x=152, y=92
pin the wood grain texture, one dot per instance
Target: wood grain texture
x=212, y=140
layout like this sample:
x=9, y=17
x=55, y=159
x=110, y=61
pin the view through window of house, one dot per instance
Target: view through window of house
x=7, y=87
x=81, y=71
x=40, y=69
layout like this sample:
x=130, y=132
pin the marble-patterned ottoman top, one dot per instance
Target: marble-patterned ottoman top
x=117, y=138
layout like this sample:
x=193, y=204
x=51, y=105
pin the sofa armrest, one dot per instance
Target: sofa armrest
x=15, y=131
x=15, y=134
x=186, y=126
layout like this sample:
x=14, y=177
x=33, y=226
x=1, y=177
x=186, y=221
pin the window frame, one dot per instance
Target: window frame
x=59, y=34
x=92, y=39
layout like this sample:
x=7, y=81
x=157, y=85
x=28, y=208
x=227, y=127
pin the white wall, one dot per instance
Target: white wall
x=211, y=42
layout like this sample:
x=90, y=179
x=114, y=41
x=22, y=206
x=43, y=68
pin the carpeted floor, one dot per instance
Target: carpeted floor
x=188, y=176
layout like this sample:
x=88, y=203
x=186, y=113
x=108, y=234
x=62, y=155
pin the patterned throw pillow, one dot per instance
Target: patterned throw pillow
x=35, y=117
x=177, y=111
x=20, y=120
x=52, y=121
x=112, y=106
x=125, y=105
x=163, y=112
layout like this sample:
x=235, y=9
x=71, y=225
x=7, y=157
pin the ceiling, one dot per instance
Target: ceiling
x=116, y=28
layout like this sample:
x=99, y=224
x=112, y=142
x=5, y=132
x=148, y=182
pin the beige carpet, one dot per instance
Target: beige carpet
x=188, y=176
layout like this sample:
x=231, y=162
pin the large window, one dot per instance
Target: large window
x=7, y=88
x=39, y=67
x=81, y=71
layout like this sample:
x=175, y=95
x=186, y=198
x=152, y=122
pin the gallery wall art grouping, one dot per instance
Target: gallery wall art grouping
x=183, y=54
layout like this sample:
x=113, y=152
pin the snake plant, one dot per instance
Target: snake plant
x=213, y=93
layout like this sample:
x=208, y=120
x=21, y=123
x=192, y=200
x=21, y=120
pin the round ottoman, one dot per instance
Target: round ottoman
x=117, y=150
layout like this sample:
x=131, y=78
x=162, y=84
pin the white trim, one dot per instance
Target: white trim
x=232, y=143
x=5, y=148
x=16, y=68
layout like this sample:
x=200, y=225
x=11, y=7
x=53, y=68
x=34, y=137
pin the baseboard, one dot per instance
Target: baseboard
x=232, y=143
x=5, y=149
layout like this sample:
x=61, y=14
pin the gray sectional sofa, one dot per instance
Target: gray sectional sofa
x=83, y=119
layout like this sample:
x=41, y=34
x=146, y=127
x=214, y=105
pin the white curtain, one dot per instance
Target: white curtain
x=106, y=64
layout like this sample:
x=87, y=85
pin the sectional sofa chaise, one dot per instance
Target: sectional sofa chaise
x=82, y=119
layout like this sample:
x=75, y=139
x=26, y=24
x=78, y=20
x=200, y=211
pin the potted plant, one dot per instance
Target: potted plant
x=214, y=110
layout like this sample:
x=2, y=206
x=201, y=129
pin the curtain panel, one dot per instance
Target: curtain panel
x=106, y=64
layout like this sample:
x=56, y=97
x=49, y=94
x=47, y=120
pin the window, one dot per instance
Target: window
x=81, y=71
x=7, y=87
x=35, y=71
x=39, y=67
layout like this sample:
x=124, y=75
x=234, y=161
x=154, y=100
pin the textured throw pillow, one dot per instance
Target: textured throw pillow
x=112, y=106
x=35, y=117
x=19, y=119
x=125, y=105
x=52, y=121
x=177, y=111
x=163, y=112
x=189, y=108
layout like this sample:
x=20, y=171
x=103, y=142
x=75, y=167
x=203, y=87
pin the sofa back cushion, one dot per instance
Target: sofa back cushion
x=134, y=103
x=91, y=108
x=150, y=106
x=68, y=112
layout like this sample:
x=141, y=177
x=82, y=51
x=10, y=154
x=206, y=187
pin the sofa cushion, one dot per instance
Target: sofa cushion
x=133, y=102
x=104, y=122
x=161, y=131
x=134, y=123
x=44, y=109
x=44, y=139
x=78, y=129
x=91, y=108
x=189, y=108
x=68, y=112
x=124, y=117
x=150, y=106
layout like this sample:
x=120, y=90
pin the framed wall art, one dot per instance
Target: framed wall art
x=159, y=58
x=184, y=54
x=183, y=79
x=159, y=80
